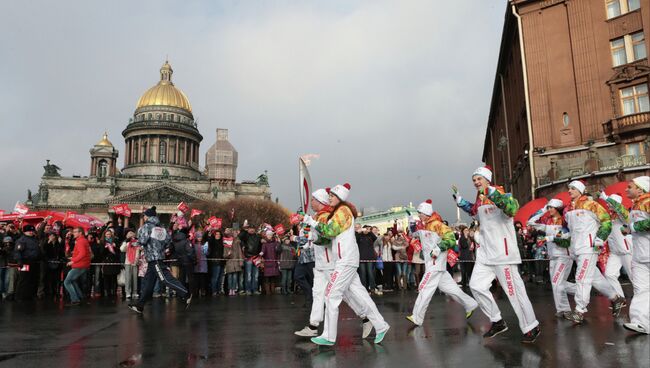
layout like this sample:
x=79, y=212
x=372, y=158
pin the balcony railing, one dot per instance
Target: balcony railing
x=627, y=124
x=613, y=163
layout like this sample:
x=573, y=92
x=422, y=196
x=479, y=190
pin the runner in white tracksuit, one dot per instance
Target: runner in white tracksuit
x=620, y=245
x=590, y=225
x=498, y=256
x=639, y=226
x=323, y=268
x=551, y=223
x=436, y=239
x=344, y=278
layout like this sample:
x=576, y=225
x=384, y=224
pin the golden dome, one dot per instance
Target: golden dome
x=105, y=142
x=164, y=93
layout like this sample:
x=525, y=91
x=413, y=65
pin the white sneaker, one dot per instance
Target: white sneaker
x=367, y=329
x=306, y=332
x=635, y=327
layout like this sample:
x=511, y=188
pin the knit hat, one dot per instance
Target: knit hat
x=341, y=191
x=425, y=207
x=321, y=196
x=150, y=212
x=578, y=185
x=8, y=239
x=555, y=203
x=27, y=228
x=642, y=182
x=484, y=171
x=616, y=198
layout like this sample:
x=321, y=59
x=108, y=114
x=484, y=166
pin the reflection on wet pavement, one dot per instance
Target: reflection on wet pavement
x=257, y=331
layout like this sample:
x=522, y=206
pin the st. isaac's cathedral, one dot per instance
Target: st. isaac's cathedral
x=161, y=163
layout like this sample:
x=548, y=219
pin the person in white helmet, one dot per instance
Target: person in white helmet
x=590, y=225
x=639, y=226
x=436, y=239
x=325, y=262
x=549, y=220
x=340, y=228
x=498, y=255
x=620, y=245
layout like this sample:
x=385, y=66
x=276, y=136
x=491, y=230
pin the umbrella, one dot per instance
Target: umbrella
x=620, y=189
x=529, y=209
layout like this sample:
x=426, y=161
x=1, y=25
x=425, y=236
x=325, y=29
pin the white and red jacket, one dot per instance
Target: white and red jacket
x=619, y=244
x=340, y=228
x=551, y=226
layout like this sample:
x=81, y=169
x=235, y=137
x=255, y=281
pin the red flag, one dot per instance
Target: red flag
x=295, y=218
x=215, y=222
x=452, y=258
x=279, y=229
x=122, y=210
x=2, y=212
x=21, y=209
x=195, y=213
x=183, y=207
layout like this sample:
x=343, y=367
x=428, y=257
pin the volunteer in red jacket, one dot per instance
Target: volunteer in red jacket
x=436, y=239
x=80, y=263
x=498, y=255
x=340, y=228
x=590, y=225
x=639, y=226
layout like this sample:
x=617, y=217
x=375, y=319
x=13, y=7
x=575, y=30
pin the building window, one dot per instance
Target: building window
x=635, y=149
x=635, y=99
x=136, y=154
x=638, y=45
x=618, y=7
x=162, y=157
x=628, y=48
x=143, y=157
x=102, y=169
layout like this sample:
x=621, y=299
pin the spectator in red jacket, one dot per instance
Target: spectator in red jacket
x=80, y=263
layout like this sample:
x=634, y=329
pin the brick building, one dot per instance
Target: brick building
x=570, y=97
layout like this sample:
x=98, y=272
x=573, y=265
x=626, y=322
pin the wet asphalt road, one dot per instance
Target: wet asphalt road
x=257, y=331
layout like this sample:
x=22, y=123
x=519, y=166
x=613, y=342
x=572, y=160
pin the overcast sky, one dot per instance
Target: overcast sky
x=393, y=95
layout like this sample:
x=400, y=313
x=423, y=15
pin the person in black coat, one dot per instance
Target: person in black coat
x=28, y=256
x=366, y=243
x=466, y=254
x=54, y=253
x=215, y=249
x=110, y=254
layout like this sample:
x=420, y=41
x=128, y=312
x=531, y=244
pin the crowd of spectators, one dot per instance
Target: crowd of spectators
x=41, y=262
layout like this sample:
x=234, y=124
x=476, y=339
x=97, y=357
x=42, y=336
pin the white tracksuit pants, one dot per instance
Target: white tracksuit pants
x=442, y=279
x=559, y=269
x=640, y=305
x=321, y=278
x=613, y=270
x=588, y=275
x=345, y=279
x=511, y=282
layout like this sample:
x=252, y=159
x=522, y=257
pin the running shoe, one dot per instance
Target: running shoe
x=307, y=332
x=531, y=336
x=497, y=328
x=380, y=336
x=321, y=341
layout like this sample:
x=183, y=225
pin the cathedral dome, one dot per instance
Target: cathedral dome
x=165, y=93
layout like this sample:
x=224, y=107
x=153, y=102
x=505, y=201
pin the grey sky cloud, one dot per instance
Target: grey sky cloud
x=393, y=95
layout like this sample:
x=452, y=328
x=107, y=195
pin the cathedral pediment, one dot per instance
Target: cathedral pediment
x=159, y=194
